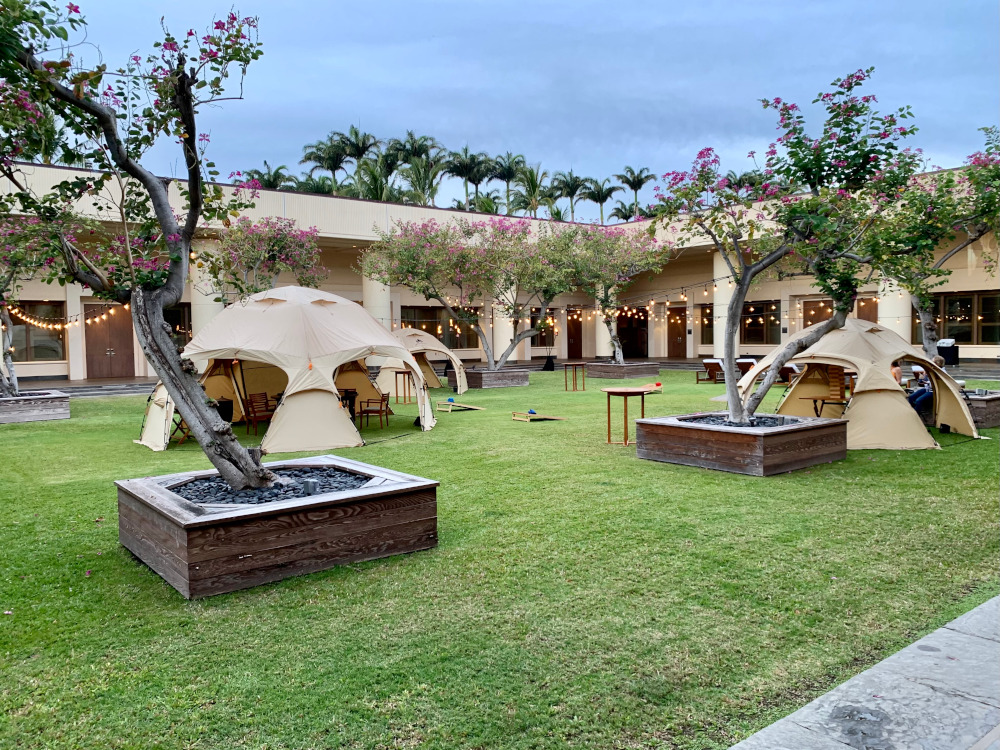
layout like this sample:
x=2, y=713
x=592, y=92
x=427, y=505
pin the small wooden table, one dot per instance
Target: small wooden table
x=567, y=366
x=625, y=393
x=407, y=381
x=820, y=403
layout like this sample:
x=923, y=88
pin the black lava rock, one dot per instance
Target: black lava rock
x=215, y=490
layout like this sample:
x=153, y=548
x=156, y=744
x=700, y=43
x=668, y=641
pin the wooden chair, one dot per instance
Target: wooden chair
x=713, y=372
x=257, y=408
x=181, y=429
x=371, y=407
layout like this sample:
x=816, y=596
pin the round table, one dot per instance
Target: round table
x=567, y=366
x=625, y=393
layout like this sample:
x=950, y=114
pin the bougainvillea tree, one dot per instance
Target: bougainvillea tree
x=464, y=265
x=251, y=255
x=111, y=118
x=818, y=212
x=605, y=261
x=959, y=206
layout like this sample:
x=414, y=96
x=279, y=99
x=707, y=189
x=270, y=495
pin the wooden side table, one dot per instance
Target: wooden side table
x=407, y=382
x=574, y=366
x=625, y=393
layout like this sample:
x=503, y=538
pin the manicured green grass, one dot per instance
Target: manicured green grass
x=579, y=596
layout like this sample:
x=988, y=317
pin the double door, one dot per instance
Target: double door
x=109, y=343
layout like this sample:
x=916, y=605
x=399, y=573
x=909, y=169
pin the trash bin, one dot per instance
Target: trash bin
x=948, y=349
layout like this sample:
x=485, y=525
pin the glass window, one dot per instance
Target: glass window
x=546, y=338
x=34, y=344
x=178, y=318
x=453, y=334
x=958, y=320
x=989, y=319
x=707, y=324
x=761, y=322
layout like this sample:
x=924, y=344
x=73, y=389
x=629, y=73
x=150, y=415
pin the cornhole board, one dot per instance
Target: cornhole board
x=450, y=406
x=652, y=388
x=521, y=416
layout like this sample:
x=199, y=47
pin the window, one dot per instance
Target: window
x=816, y=311
x=707, y=324
x=761, y=322
x=178, y=318
x=546, y=338
x=34, y=344
x=453, y=334
x=866, y=308
x=967, y=317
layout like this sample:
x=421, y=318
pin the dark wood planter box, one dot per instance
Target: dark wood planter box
x=758, y=451
x=203, y=550
x=985, y=409
x=621, y=372
x=491, y=378
x=34, y=406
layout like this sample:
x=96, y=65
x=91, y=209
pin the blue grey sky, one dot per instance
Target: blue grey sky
x=578, y=84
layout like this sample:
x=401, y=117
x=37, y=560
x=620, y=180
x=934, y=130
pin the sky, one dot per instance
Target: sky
x=581, y=85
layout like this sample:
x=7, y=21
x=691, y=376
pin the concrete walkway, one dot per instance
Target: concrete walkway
x=940, y=693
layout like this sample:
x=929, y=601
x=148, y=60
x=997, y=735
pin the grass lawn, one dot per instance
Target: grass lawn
x=579, y=596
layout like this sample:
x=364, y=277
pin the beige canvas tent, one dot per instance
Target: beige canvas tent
x=424, y=347
x=301, y=344
x=878, y=413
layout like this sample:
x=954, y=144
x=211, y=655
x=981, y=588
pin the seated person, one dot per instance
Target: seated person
x=923, y=397
x=897, y=372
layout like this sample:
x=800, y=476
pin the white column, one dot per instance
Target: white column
x=895, y=309
x=503, y=334
x=74, y=336
x=787, y=329
x=602, y=339
x=203, y=304
x=689, y=331
x=720, y=305
x=561, y=349
x=377, y=301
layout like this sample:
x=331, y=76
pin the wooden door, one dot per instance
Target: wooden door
x=866, y=308
x=676, y=333
x=109, y=344
x=574, y=337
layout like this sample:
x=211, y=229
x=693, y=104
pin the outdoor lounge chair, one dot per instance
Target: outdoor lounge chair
x=787, y=374
x=372, y=407
x=746, y=365
x=257, y=408
x=713, y=372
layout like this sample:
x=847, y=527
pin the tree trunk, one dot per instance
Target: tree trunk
x=738, y=414
x=8, y=377
x=487, y=346
x=214, y=435
x=929, y=334
x=616, y=354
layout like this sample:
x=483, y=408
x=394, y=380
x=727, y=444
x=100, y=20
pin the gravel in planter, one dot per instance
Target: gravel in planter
x=762, y=421
x=215, y=490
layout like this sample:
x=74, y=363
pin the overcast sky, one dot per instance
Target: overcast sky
x=577, y=84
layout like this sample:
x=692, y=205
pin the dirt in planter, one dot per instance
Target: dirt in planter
x=215, y=490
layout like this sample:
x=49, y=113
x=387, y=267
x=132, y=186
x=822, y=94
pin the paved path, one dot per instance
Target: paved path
x=940, y=693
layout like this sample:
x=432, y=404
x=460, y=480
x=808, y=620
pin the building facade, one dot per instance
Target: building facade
x=672, y=315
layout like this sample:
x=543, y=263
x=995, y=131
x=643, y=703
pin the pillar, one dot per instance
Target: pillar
x=503, y=334
x=602, y=339
x=561, y=348
x=203, y=304
x=720, y=305
x=895, y=309
x=377, y=301
x=75, y=334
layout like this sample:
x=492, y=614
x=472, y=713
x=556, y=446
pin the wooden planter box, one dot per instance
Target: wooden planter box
x=985, y=409
x=758, y=451
x=612, y=371
x=491, y=379
x=203, y=550
x=34, y=406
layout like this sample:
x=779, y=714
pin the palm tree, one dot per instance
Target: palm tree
x=569, y=186
x=628, y=211
x=532, y=192
x=506, y=169
x=482, y=173
x=322, y=185
x=740, y=180
x=635, y=181
x=600, y=192
x=372, y=180
x=271, y=179
x=328, y=155
x=356, y=144
x=466, y=166
x=423, y=177
x=557, y=213
x=487, y=203
x=414, y=147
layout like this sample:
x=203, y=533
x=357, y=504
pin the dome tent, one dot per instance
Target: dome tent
x=295, y=342
x=420, y=344
x=878, y=413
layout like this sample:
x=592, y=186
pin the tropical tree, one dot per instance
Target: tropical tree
x=422, y=177
x=112, y=121
x=532, y=193
x=251, y=255
x=599, y=193
x=628, y=211
x=356, y=144
x=856, y=174
x=271, y=179
x=487, y=202
x=328, y=154
x=605, y=260
x=506, y=168
x=467, y=264
x=635, y=181
x=414, y=147
x=373, y=180
x=482, y=173
x=557, y=212
x=466, y=166
x=570, y=186
x=321, y=185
